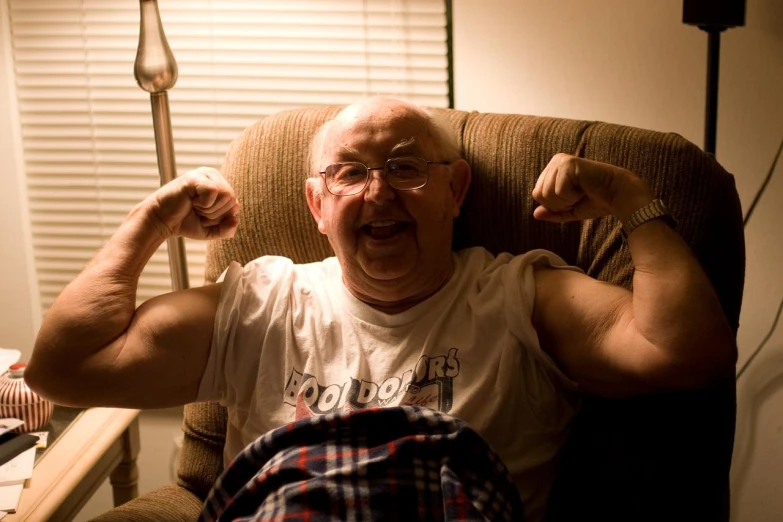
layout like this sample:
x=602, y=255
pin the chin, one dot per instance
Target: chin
x=386, y=269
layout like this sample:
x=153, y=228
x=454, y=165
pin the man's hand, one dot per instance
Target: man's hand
x=197, y=205
x=571, y=189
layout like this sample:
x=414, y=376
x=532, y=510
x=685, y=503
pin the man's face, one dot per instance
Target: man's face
x=393, y=245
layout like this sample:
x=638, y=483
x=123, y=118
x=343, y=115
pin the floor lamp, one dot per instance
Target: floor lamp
x=713, y=17
x=156, y=72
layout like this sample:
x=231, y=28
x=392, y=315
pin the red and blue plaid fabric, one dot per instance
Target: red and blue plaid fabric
x=400, y=463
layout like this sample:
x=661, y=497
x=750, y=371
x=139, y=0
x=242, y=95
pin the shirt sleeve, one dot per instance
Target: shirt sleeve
x=521, y=291
x=253, y=298
x=213, y=382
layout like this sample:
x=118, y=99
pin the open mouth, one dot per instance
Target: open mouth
x=384, y=228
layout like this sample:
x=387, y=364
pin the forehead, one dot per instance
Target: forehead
x=379, y=133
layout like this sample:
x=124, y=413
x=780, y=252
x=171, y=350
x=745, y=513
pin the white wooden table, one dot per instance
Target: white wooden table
x=99, y=443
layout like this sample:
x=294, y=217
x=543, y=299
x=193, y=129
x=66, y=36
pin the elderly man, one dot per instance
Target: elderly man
x=505, y=343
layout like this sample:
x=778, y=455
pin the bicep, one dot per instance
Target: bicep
x=587, y=327
x=161, y=357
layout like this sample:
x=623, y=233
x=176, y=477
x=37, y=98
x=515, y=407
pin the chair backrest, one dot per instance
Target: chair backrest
x=267, y=167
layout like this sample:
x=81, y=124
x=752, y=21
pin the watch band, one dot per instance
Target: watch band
x=653, y=210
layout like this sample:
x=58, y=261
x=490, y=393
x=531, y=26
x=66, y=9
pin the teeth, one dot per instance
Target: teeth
x=382, y=223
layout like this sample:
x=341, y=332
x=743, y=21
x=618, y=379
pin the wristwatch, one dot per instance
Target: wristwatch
x=653, y=210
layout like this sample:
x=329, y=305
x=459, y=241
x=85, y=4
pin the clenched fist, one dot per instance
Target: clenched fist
x=572, y=188
x=196, y=205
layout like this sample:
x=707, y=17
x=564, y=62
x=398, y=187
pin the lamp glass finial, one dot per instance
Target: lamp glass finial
x=155, y=68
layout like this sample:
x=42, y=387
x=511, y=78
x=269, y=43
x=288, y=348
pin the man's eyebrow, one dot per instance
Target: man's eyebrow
x=404, y=144
x=343, y=152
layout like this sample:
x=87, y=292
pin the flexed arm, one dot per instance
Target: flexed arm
x=95, y=348
x=669, y=333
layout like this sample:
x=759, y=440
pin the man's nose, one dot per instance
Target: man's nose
x=378, y=188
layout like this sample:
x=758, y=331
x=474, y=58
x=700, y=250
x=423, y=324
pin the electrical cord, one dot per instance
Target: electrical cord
x=763, y=186
x=745, y=224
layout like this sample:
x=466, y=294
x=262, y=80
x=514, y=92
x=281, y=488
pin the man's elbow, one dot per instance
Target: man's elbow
x=705, y=365
x=39, y=379
x=720, y=353
x=55, y=382
x=45, y=370
x=725, y=361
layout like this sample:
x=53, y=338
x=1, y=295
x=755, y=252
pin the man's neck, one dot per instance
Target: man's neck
x=387, y=301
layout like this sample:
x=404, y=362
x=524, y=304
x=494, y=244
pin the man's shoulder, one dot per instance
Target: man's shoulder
x=273, y=263
x=481, y=257
x=279, y=279
x=480, y=267
x=475, y=256
x=280, y=269
x=482, y=260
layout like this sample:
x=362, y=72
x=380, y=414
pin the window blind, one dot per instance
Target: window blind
x=89, y=150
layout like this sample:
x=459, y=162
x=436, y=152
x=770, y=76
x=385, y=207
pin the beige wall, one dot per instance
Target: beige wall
x=19, y=312
x=635, y=63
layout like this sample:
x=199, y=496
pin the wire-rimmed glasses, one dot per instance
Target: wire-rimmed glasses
x=347, y=178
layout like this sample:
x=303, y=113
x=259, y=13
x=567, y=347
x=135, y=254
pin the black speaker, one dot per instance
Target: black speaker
x=714, y=13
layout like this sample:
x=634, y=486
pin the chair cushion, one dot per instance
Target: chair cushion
x=166, y=504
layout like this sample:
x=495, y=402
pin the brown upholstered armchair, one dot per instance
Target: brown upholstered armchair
x=657, y=458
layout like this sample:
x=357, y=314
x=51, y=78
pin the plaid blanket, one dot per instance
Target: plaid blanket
x=400, y=463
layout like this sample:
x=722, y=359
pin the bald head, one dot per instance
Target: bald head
x=434, y=129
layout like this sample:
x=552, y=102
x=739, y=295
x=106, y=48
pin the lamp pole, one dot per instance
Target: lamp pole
x=713, y=17
x=711, y=109
x=156, y=72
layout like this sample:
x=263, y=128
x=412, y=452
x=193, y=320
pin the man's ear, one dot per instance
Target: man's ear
x=460, y=181
x=315, y=198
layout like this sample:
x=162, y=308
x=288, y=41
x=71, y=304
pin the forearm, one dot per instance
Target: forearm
x=96, y=308
x=674, y=304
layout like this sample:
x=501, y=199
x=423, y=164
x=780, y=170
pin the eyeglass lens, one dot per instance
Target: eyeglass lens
x=401, y=173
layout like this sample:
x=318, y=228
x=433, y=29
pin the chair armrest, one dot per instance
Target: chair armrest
x=166, y=504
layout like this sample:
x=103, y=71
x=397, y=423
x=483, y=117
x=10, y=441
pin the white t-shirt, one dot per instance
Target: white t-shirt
x=291, y=341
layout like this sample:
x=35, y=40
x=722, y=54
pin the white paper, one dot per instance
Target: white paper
x=19, y=468
x=9, y=424
x=9, y=497
x=8, y=357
